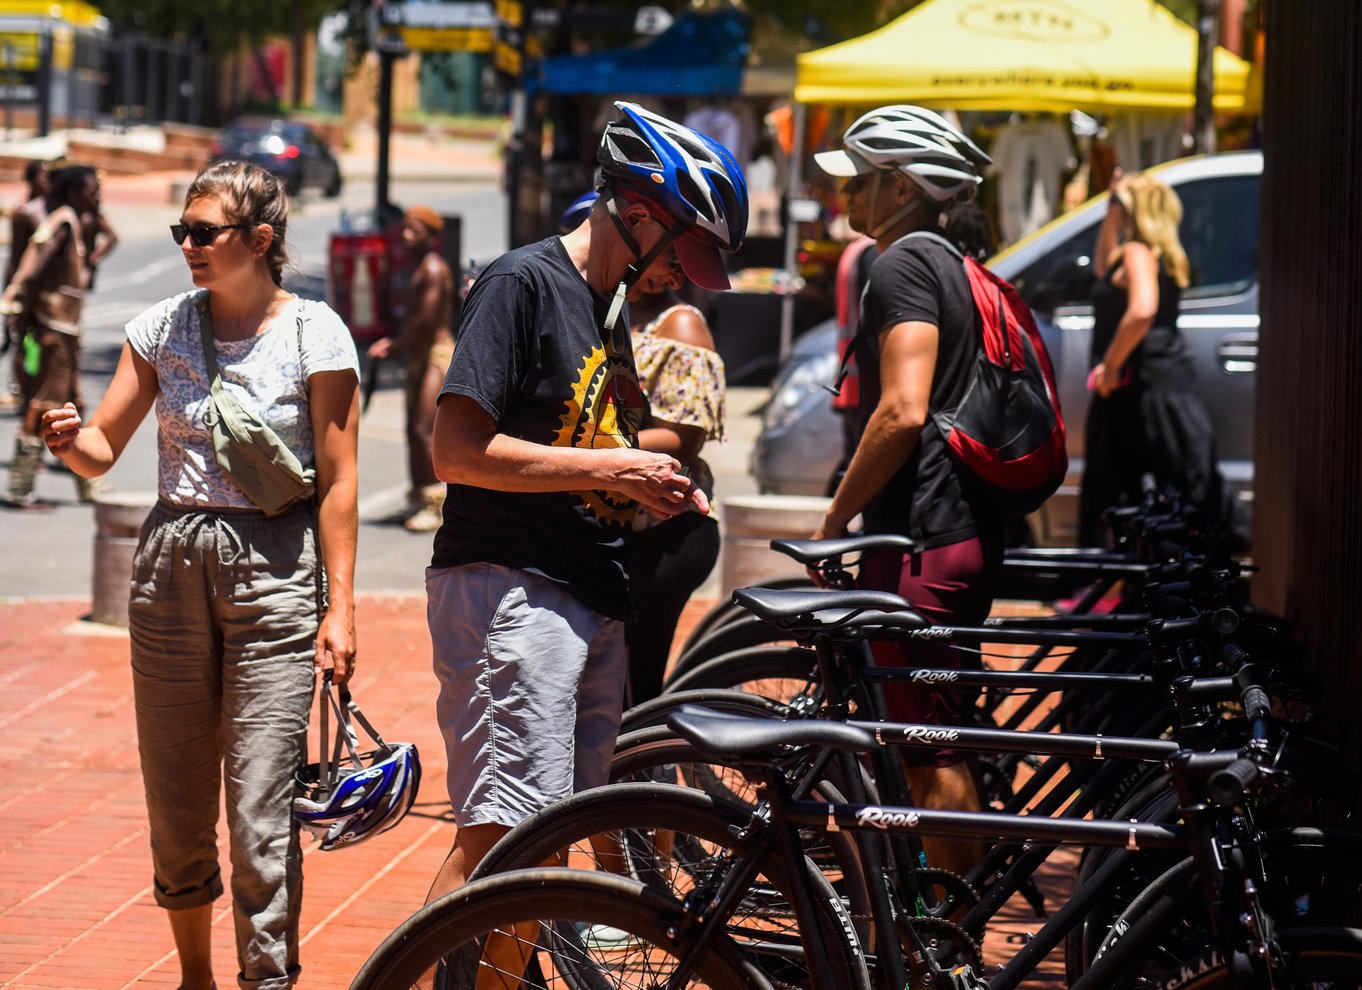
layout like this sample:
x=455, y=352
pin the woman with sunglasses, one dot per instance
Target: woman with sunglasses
x=232, y=611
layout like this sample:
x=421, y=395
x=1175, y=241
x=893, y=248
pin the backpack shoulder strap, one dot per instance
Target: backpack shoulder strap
x=932, y=235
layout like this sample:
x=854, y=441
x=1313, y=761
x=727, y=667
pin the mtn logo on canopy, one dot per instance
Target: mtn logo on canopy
x=1032, y=20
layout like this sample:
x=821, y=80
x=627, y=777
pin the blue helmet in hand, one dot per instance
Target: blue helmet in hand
x=345, y=801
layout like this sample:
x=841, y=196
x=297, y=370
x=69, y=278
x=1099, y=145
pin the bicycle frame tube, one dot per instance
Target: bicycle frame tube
x=985, y=825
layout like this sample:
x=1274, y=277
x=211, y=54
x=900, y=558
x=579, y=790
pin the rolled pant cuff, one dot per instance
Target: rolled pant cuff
x=186, y=899
x=270, y=983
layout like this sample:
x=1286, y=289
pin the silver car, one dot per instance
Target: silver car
x=802, y=440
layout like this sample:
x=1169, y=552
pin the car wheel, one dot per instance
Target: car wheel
x=333, y=189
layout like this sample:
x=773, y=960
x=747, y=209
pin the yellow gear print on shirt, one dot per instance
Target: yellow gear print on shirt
x=605, y=410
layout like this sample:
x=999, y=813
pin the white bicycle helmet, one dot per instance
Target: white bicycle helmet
x=921, y=144
x=345, y=801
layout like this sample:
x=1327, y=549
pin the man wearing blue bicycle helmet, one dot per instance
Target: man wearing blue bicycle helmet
x=536, y=435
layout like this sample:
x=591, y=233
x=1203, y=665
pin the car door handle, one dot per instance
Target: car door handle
x=1238, y=353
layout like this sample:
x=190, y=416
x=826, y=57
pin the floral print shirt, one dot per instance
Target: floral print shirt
x=267, y=374
x=685, y=385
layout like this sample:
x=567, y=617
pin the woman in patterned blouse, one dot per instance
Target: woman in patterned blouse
x=683, y=377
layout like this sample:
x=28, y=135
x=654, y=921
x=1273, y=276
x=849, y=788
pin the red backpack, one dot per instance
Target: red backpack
x=1007, y=431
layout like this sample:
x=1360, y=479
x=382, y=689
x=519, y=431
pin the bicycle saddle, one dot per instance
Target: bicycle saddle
x=718, y=735
x=819, y=607
x=814, y=551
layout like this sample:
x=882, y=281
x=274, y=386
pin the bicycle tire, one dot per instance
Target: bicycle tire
x=1082, y=942
x=672, y=839
x=730, y=611
x=564, y=905
x=788, y=674
x=740, y=634
x=656, y=710
x=1312, y=959
x=1315, y=882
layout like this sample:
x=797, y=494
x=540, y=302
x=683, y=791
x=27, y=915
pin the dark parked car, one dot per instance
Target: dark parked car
x=288, y=148
x=799, y=447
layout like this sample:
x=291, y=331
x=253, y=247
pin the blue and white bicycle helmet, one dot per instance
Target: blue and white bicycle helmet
x=345, y=801
x=692, y=178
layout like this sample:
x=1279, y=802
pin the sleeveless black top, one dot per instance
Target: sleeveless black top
x=1162, y=360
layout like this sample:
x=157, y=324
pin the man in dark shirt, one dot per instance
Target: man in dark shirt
x=916, y=344
x=536, y=432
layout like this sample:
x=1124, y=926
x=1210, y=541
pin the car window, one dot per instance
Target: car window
x=1062, y=276
x=1220, y=233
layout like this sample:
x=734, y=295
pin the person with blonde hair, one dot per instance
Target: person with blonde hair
x=1145, y=416
x=235, y=606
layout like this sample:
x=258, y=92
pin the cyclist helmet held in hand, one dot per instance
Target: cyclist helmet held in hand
x=692, y=179
x=346, y=802
x=920, y=143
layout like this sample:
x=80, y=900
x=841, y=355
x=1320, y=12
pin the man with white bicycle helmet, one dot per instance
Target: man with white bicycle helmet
x=915, y=348
x=536, y=434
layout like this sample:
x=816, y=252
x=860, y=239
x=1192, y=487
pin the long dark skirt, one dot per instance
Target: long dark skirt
x=1140, y=430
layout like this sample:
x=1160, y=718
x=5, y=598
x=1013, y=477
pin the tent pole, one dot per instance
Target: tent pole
x=794, y=186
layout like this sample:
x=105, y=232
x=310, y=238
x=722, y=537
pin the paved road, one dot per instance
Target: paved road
x=49, y=553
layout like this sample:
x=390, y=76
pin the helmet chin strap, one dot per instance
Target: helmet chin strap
x=888, y=223
x=641, y=261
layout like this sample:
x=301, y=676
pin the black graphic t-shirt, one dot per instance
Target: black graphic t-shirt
x=531, y=351
x=920, y=279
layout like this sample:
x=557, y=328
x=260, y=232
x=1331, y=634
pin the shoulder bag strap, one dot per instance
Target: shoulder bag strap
x=210, y=350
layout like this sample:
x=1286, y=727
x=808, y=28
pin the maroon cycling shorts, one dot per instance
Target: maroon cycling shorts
x=949, y=586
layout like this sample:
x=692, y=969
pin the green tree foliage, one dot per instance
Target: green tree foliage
x=220, y=24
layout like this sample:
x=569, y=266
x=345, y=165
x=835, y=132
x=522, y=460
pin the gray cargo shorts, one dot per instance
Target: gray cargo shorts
x=531, y=687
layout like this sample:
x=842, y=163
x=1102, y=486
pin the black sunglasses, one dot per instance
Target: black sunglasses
x=202, y=234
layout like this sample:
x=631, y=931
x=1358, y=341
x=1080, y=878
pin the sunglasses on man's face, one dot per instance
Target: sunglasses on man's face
x=202, y=234
x=855, y=184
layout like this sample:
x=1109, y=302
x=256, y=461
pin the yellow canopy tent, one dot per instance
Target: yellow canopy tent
x=1026, y=55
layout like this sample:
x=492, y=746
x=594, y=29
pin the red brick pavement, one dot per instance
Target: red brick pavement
x=76, y=909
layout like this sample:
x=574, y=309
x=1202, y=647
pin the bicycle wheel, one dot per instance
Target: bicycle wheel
x=728, y=612
x=555, y=930
x=679, y=841
x=655, y=711
x=1314, y=880
x=1311, y=959
x=739, y=634
x=1082, y=942
x=788, y=674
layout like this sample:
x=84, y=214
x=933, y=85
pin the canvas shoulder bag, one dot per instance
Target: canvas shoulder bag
x=246, y=449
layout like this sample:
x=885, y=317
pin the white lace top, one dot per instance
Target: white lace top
x=266, y=373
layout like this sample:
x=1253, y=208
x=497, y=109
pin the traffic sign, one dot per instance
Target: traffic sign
x=440, y=14
x=447, y=39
